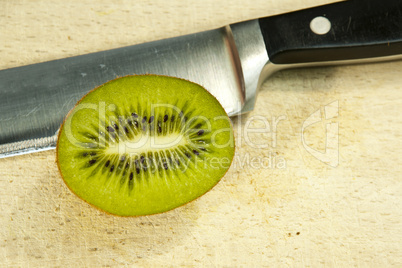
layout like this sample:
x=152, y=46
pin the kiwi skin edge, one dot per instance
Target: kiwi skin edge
x=68, y=114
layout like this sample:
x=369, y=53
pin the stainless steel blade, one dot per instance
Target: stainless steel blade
x=34, y=99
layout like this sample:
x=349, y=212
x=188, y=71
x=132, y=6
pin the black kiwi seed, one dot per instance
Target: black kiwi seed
x=129, y=122
x=151, y=119
x=126, y=129
x=137, y=170
x=144, y=119
x=188, y=155
x=198, y=125
x=134, y=115
x=85, y=154
x=107, y=163
x=165, y=118
x=110, y=129
x=196, y=152
x=136, y=123
x=159, y=129
x=112, y=168
x=172, y=118
x=165, y=166
x=92, y=161
x=116, y=126
x=131, y=176
x=92, y=153
x=199, y=133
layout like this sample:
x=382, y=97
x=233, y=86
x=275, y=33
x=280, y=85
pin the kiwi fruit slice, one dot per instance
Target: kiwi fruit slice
x=144, y=144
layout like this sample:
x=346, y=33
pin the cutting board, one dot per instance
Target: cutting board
x=316, y=179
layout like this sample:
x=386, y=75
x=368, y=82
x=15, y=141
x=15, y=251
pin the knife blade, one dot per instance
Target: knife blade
x=231, y=62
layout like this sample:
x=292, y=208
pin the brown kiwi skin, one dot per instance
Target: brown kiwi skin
x=134, y=216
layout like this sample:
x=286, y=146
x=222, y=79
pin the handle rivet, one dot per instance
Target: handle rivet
x=320, y=25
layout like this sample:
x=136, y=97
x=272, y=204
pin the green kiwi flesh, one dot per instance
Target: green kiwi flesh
x=144, y=144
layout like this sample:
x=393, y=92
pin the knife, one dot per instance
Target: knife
x=231, y=62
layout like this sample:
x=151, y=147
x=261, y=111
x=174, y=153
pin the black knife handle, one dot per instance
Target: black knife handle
x=358, y=29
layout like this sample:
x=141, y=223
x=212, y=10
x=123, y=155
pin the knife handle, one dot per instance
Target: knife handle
x=354, y=29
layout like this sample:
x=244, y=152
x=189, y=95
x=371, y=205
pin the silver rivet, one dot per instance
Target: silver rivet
x=320, y=25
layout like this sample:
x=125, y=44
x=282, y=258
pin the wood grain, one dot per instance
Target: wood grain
x=277, y=206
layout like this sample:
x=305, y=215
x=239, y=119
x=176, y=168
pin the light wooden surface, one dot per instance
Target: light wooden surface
x=291, y=210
